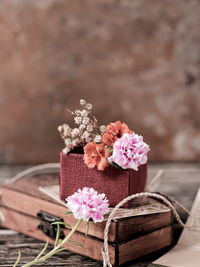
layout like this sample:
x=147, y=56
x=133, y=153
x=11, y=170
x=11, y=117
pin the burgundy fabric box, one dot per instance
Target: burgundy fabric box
x=115, y=183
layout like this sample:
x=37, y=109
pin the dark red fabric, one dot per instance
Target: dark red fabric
x=115, y=183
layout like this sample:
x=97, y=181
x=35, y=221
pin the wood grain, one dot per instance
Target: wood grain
x=24, y=196
x=29, y=200
x=181, y=180
x=30, y=247
x=142, y=224
x=29, y=225
x=145, y=244
x=135, y=248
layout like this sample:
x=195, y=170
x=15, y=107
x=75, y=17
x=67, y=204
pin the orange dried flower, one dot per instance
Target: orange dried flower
x=96, y=155
x=114, y=131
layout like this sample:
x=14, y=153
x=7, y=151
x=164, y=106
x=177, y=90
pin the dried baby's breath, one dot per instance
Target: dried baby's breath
x=82, y=102
x=88, y=106
x=85, y=120
x=102, y=128
x=60, y=128
x=90, y=128
x=75, y=132
x=87, y=130
x=84, y=113
x=68, y=142
x=82, y=127
x=97, y=139
x=66, y=150
x=75, y=142
x=86, y=134
x=77, y=112
x=78, y=120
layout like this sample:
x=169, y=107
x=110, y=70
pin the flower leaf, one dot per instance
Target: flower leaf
x=76, y=243
x=57, y=235
x=59, y=250
x=68, y=212
x=18, y=259
x=42, y=251
x=87, y=228
x=61, y=223
x=62, y=249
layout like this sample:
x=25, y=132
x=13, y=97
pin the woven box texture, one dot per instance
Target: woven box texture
x=115, y=183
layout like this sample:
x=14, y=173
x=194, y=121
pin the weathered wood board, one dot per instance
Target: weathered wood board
x=144, y=229
x=180, y=180
x=119, y=253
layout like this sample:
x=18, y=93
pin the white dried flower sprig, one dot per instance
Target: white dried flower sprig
x=86, y=131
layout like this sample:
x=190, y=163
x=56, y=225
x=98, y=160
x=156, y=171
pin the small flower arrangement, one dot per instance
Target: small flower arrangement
x=114, y=144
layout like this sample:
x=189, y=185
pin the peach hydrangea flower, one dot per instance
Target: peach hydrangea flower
x=87, y=203
x=114, y=131
x=96, y=155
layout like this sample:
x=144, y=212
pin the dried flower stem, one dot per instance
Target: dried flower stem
x=71, y=112
x=95, y=124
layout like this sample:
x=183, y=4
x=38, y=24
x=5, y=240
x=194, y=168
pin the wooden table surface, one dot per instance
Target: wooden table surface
x=180, y=181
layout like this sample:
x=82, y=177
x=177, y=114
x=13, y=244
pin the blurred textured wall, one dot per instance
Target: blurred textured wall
x=137, y=61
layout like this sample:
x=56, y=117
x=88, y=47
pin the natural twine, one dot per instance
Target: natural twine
x=35, y=170
x=105, y=253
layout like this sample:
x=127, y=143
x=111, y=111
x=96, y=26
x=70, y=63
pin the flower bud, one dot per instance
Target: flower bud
x=82, y=102
x=102, y=128
x=60, y=128
x=97, y=139
x=67, y=131
x=77, y=112
x=75, y=142
x=75, y=132
x=90, y=128
x=78, y=120
x=85, y=120
x=89, y=106
x=86, y=134
x=68, y=141
x=66, y=150
x=84, y=113
x=82, y=127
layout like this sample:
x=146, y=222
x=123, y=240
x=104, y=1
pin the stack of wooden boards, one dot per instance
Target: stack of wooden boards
x=134, y=232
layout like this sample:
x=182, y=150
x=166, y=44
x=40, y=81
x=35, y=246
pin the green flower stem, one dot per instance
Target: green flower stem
x=55, y=249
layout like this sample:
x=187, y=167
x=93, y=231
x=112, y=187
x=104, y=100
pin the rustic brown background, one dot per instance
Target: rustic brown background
x=137, y=61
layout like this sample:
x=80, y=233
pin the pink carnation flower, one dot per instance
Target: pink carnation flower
x=129, y=152
x=87, y=203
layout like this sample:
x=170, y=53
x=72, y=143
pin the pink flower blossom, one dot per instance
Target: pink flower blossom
x=87, y=203
x=129, y=152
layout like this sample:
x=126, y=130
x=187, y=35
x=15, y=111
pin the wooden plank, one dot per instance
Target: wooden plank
x=9, y=251
x=181, y=180
x=145, y=244
x=135, y=227
x=29, y=200
x=32, y=203
x=29, y=225
x=135, y=224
